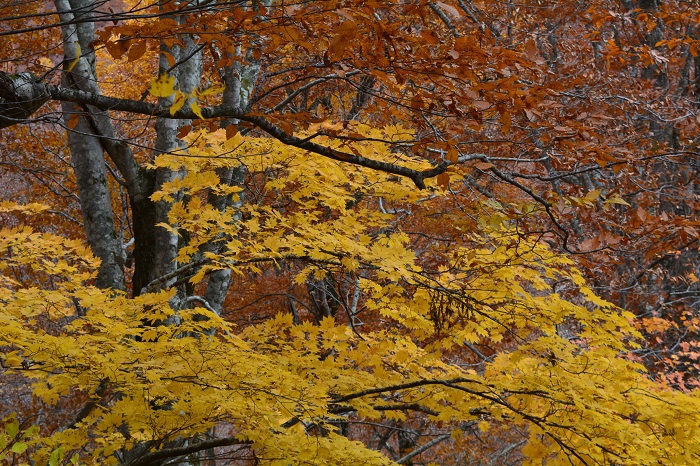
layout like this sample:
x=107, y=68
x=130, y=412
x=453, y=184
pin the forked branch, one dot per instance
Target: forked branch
x=40, y=92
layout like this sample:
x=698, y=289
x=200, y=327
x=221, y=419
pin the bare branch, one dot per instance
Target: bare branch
x=423, y=448
x=106, y=103
x=157, y=456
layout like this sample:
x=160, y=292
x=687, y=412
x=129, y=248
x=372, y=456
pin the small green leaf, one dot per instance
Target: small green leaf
x=211, y=91
x=56, y=457
x=19, y=447
x=70, y=65
x=12, y=428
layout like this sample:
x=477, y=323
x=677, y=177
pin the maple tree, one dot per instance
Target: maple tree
x=283, y=222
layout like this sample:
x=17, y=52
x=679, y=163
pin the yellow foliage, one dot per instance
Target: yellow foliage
x=162, y=86
x=562, y=377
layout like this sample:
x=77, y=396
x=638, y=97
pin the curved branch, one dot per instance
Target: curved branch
x=403, y=386
x=19, y=98
x=423, y=448
x=156, y=457
x=90, y=405
x=46, y=91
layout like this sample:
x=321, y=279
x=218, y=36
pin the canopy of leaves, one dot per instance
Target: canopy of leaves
x=561, y=372
x=420, y=203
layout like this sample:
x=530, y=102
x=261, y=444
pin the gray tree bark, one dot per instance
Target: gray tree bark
x=235, y=95
x=86, y=150
x=187, y=76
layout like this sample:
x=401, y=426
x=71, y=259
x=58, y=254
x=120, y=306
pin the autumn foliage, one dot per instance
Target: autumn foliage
x=349, y=232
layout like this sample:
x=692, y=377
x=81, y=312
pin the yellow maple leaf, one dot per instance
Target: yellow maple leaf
x=616, y=199
x=179, y=101
x=196, y=109
x=162, y=86
x=70, y=65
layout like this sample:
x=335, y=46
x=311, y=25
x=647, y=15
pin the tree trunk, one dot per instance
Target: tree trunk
x=86, y=150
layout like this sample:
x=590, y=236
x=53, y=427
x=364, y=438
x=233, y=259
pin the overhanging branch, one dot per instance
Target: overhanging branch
x=157, y=457
x=20, y=96
x=46, y=91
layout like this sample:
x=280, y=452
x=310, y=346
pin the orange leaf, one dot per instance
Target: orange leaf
x=72, y=121
x=184, y=131
x=231, y=131
x=117, y=48
x=452, y=155
x=137, y=51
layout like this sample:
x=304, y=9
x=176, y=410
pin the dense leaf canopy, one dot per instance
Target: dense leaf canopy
x=349, y=232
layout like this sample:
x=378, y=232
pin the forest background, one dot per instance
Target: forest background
x=349, y=232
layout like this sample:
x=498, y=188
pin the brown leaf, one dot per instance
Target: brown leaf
x=449, y=8
x=341, y=40
x=417, y=102
x=505, y=121
x=137, y=51
x=530, y=49
x=73, y=121
x=184, y=131
x=231, y=131
x=483, y=165
x=117, y=48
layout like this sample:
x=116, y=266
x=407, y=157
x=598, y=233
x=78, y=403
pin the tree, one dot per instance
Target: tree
x=422, y=185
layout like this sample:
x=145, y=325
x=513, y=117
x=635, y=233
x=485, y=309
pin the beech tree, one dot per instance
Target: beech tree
x=349, y=232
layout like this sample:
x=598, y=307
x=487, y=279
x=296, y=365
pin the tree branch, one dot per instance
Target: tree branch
x=19, y=98
x=403, y=386
x=423, y=448
x=90, y=405
x=105, y=103
x=156, y=456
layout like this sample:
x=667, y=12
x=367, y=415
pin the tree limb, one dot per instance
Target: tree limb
x=19, y=98
x=156, y=456
x=423, y=448
x=47, y=91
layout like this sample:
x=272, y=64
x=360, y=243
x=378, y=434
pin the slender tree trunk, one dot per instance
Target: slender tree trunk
x=239, y=81
x=143, y=213
x=86, y=150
